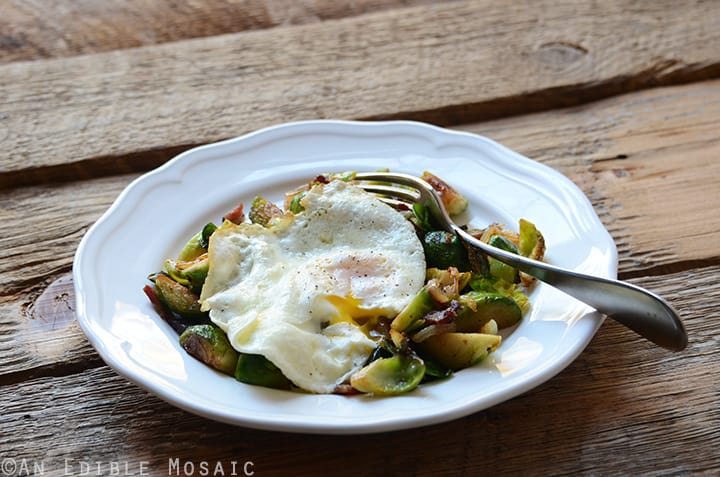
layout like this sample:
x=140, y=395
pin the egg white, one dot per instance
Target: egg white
x=295, y=292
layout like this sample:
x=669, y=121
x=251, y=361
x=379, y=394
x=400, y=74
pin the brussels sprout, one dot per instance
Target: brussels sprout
x=262, y=211
x=295, y=204
x=481, y=307
x=532, y=245
x=176, y=322
x=192, y=249
x=205, y=234
x=499, y=269
x=384, y=349
x=444, y=249
x=388, y=376
x=209, y=344
x=422, y=303
x=493, y=285
x=177, y=298
x=423, y=217
x=450, y=280
x=453, y=201
x=258, y=370
x=531, y=242
x=197, y=245
x=191, y=274
x=459, y=350
x=435, y=371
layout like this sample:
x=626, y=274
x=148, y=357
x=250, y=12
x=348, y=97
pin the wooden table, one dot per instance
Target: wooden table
x=621, y=96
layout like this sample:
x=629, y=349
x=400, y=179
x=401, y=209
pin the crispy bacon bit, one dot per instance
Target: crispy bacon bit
x=236, y=216
x=321, y=179
x=446, y=315
x=152, y=295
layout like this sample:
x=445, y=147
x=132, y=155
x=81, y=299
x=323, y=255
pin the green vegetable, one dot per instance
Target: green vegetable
x=459, y=350
x=453, y=201
x=481, y=307
x=345, y=176
x=444, y=249
x=177, y=298
x=499, y=269
x=257, y=369
x=450, y=280
x=531, y=245
x=209, y=344
x=197, y=245
x=435, y=371
x=262, y=211
x=192, y=249
x=423, y=217
x=388, y=376
x=422, y=303
x=531, y=241
x=191, y=274
x=295, y=205
x=493, y=285
x=205, y=234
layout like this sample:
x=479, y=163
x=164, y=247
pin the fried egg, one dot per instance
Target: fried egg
x=299, y=292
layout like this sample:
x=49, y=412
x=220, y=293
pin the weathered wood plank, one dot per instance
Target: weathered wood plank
x=52, y=219
x=37, y=322
x=443, y=62
x=648, y=162
x=621, y=397
x=31, y=30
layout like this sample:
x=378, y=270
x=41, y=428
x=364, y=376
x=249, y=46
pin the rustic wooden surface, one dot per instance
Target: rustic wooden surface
x=622, y=97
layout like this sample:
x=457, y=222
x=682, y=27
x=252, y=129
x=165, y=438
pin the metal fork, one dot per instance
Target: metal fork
x=638, y=309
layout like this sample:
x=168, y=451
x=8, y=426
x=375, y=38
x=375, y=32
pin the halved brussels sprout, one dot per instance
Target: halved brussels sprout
x=209, y=344
x=499, y=269
x=177, y=298
x=450, y=280
x=532, y=245
x=459, y=350
x=453, y=201
x=191, y=274
x=388, y=376
x=257, y=369
x=262, y=211
x=481, y=307
x=444, y=249
x=197, y=245
x=422, y=303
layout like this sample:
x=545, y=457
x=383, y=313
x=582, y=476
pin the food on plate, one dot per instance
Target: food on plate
x=335, y=291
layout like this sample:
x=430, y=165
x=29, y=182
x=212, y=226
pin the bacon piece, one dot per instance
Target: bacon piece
x=236, y=216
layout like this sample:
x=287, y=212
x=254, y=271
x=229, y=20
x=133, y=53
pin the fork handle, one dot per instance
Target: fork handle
x=638, y=309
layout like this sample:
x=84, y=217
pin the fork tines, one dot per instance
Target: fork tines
x=396, y=195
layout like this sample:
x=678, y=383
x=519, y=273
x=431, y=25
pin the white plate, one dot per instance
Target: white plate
x=157, y=213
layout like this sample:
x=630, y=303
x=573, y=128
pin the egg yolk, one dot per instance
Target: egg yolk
x=348, y=309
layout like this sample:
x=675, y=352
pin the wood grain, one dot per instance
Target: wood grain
x=578, y=142
x=33, y=29
x=622, y=397
x=445, y=63
x=116, y=88
x=647, y=161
